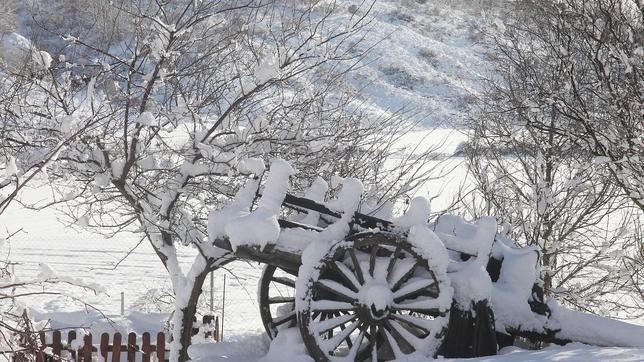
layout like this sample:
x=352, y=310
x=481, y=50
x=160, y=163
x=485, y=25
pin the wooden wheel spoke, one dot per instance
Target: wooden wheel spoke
x=393, y=344
x=372, y=260
x=347, y=275
x=281, y=300
x=393, y=259
x=325, y=317
x=409, y=337
x=401, y=341
x=356, y=265
x=374, y=343
x=342, y=327
x=336, y=321
x=401, y=274
x=338, y=290
x=284, y=281
x=329, y=305
x=425, y=325
x=281, y=320
x=357, y=343
x=335, y=341
x=417, y=288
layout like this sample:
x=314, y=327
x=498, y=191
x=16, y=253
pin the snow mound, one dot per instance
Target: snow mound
x=601, y=331
x=261, y=227
x=287, y=346
x=416, y=214
x=573, y=352
x=247, y=347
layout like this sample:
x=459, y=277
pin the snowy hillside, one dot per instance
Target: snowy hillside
x=430, y=59
x=426, y=56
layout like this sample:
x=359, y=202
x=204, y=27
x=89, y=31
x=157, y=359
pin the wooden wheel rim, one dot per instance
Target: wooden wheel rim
x=268, y=281
x=337, y=315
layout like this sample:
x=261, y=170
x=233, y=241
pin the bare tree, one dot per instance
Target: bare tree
x=27, y=149
x=183, y=96
x=583, y=60
x=537, y=172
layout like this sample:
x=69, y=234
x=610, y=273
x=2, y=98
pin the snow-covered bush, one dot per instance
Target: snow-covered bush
x=19, y=333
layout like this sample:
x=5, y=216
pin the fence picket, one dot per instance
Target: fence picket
x=57, y=344
x=131, y=347
x=161, y=346
x=105, y=340
x=145, y=347
x=116, y=350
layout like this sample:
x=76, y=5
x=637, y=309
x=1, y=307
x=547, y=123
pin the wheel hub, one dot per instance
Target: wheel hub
x=376, y=298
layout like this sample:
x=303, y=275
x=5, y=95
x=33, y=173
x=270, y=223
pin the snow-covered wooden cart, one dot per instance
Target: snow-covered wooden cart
x=359, y=287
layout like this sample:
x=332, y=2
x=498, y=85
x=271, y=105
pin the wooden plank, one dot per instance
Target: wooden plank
x=160, y=346
x=366, y=221
x=56, y=344
x=145, y=347
x=131, y=347
x=116, y=350
x=87, y=348
x=105, y=340
x=309, y=205
x=286, y=224
x=282, y=259
x=372, y=222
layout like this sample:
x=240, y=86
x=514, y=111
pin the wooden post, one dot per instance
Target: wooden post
x=131, y=347
x=116, y=349
x=87, y=348
x=215, y=334
x=145, y=347
x=56, y=348
x=122, y=303
x=161, y=347
x=223, y=310
x=105, y=340
x=212, y=293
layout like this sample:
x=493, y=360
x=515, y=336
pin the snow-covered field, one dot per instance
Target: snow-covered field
x=252, y=348
x=122, y=265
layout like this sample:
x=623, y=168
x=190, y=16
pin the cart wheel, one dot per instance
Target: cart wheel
x=373, y=297
x=277, y=299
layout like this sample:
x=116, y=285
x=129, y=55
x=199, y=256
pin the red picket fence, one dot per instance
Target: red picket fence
x=148, y=351
x=84, y=352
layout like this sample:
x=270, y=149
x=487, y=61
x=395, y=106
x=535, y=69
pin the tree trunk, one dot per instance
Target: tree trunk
x=189, y=312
